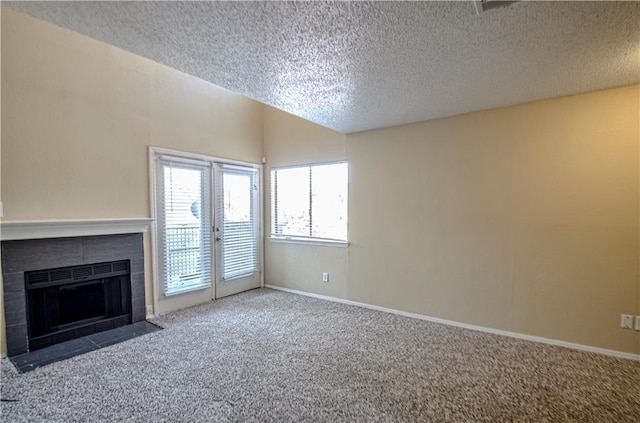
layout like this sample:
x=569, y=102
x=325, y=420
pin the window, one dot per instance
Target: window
x=239, y=189
x=310, y=202
x=183, y=208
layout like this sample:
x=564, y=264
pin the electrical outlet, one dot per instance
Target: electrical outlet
x=637, y=322
x=626, y=321
x=325, y=277
x=149, y=310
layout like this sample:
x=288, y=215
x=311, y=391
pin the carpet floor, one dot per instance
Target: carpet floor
x=269, y=356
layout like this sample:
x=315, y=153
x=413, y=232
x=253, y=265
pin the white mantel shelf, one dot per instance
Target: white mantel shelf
x=11, y=230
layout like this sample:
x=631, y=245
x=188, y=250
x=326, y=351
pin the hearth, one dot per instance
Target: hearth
x=71, y=302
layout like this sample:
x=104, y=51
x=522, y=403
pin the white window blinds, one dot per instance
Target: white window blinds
x=183, y=212
x=310, y=202
x=239, y=231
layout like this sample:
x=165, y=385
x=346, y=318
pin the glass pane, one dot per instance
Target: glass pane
x=239, y=242
x=292, y=208
x=237, y=197
x=185, y=246
x=329, y=202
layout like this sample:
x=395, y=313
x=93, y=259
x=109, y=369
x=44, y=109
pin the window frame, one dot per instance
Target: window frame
x=206, y=244
x=299, y=239
x=256, y=218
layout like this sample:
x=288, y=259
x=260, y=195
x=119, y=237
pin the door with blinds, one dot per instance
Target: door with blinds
x=237, y=229
x=207, y=237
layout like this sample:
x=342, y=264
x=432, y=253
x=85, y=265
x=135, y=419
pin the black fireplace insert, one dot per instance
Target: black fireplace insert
x=71, y=302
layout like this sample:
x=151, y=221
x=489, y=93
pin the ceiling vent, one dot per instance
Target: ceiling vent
x=485, y=5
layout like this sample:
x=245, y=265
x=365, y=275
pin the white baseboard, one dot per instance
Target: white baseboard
x=604, y=351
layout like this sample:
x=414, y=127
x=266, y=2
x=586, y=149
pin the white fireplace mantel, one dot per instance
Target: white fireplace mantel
x=11, y=230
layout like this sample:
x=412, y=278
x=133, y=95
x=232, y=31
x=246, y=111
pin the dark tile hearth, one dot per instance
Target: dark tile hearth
x=32, y=360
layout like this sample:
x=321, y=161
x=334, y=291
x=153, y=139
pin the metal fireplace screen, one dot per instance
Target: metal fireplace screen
x=71, y=302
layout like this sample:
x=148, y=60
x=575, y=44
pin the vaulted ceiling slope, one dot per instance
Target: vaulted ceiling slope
x=354, y=66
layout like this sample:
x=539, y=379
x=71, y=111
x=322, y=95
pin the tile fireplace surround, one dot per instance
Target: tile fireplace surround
x=19, y=256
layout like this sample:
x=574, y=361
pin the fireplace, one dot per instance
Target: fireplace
x=57, y=289
x=71, y=302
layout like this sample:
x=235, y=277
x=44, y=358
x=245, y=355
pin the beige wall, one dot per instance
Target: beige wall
x=522, y=219
x=289, y=140
x=79, y=116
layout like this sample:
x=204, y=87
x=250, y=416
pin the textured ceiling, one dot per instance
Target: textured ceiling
x=353, y=66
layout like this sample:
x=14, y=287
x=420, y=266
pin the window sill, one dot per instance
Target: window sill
x=308, y=241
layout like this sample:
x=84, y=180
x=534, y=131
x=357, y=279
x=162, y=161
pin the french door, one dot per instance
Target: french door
x=208, y=226
x=237, y=229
